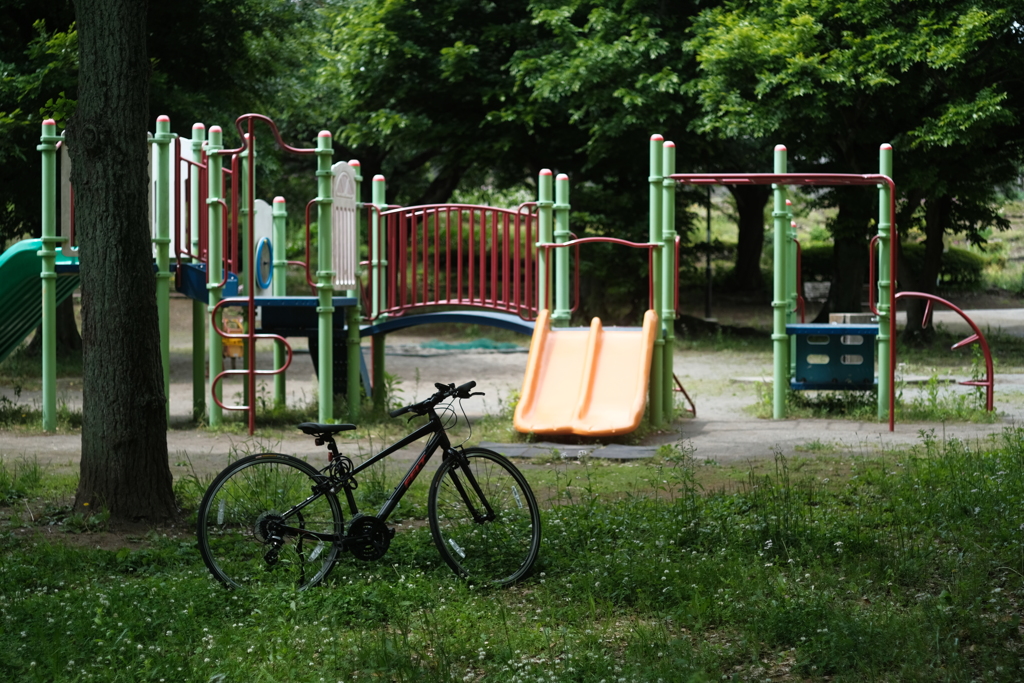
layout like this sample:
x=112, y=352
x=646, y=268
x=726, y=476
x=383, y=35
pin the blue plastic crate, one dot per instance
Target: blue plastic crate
x=840, y=357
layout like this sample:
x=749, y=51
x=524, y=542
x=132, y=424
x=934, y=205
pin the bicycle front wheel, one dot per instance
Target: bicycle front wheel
x=249, y=534
x=484, y=518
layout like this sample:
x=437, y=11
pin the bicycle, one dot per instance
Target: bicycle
x=273, y=518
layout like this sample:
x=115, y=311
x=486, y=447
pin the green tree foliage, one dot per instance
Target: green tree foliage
x=835, y=79
x=621, y=70
x=422, y=93
x=211, y=60
x=38, y=79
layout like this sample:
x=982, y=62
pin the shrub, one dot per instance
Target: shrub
x=960, y=269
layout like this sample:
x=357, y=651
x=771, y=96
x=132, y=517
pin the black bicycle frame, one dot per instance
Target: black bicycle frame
x=438, y=440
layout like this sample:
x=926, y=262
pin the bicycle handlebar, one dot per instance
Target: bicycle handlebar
x=443, y=391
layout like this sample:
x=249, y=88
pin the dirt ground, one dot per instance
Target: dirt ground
x=724, y=385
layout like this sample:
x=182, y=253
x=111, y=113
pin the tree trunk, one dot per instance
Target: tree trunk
x=124, y=425
x=937, y=212
x=69, y=340
x=750, y=202
x=850, y=253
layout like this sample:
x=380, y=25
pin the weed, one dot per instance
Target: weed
x=909, y=567
x=20, y=479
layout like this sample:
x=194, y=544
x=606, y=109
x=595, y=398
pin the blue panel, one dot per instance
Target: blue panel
x=190, y=280
x=834, y=356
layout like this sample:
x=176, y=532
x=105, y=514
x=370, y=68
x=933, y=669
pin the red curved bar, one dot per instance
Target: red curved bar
x=649, y=246
x=989, y=381
x=251, y=119
x=801, y=305
x=251, y=372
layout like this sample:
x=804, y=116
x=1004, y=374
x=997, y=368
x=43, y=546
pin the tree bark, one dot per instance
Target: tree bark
x=936, y=215
x=850, y=253
x=750, y=203
x=69, y=340
x=124, y=465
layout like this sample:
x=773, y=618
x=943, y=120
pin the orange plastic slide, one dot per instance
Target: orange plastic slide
x=591, y=382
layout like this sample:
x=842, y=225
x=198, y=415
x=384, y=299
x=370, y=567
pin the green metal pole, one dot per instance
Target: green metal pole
x=353, y=316
x=279, y=287
x=378, y=268
x=199, y=309
x=324, y=275
x=780, y=300
x=48, y=140
x=378, y=253
x=162, y=240
x=561, y=314
x=215, y=264
x=667, y=314
x=545, y=235
x=656, y=393
x=885, y=277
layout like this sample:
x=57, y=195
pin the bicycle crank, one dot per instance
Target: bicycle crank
x=368, y=538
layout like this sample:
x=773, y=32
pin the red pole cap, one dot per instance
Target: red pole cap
x=324, y=134
x=216, y=129
x=163, y=118
x=886, y=145
x=562, y=176
x=780, y=148
x=669, y=143
x=545, y=171
x=792, y=224
x=279, y=200
x=378, y=178
x=49, y=122
x=354, y=163
x=657, y=137
x=198, y=126
x=789, y=202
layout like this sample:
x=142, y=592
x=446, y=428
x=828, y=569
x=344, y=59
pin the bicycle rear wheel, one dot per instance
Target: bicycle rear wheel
x=241, y=511
x=490, y=539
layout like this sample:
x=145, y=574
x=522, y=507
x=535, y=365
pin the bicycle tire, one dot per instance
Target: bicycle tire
x=497, y=552
x=231, y=524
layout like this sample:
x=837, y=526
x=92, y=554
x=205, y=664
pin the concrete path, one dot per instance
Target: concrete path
x=724, y=429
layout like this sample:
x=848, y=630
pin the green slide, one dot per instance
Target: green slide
x=21, y=299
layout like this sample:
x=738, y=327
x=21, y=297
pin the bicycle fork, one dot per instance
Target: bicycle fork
x=462, y=464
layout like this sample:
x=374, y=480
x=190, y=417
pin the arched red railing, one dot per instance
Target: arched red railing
x=989, y=381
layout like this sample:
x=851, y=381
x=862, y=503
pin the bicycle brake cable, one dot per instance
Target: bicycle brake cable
x=468, y=424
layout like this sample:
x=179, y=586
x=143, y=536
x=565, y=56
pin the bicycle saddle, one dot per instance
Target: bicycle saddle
x=318, y=429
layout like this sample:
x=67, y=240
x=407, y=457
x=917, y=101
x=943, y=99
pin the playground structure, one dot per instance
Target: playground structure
x=223, y=247
x=839, y=346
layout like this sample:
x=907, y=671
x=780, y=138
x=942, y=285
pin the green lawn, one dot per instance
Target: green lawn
x=902, y=567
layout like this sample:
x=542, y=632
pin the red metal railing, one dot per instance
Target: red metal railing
x=649, y=246
x=457, y=255
x=989, y=381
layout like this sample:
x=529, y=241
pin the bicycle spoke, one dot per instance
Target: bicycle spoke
x=242, y=533
x=500, y=550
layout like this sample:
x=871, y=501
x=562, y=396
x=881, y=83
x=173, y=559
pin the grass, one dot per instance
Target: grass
x=20, y=369
x=906, y=567
x=21, y=416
